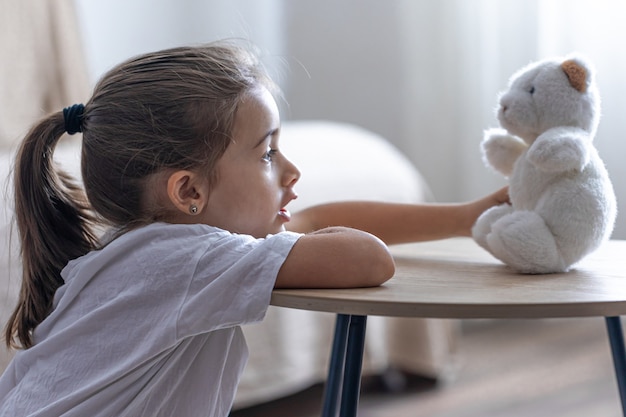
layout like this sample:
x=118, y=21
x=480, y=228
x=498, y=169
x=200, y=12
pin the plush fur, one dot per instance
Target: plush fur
x=562, y=201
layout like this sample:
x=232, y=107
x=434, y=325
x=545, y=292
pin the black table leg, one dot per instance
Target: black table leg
x=344, y=370
x=616, y=338
x=335, y=368
x=354, y=362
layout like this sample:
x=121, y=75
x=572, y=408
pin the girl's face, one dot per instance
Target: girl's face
x=254, y=179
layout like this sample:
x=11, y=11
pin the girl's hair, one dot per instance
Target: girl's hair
x=172, y=109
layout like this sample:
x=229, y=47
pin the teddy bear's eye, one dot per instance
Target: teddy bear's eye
x=531, y=90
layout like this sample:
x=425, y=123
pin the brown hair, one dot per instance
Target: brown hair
x=172, y=109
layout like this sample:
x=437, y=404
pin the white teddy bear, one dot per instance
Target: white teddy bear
x=562, y=201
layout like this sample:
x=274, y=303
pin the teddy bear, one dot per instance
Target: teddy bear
x=562, y=204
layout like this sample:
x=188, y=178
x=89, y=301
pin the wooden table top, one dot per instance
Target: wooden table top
x=455, y=278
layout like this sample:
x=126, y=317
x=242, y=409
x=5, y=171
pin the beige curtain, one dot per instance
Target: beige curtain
x=42, y=69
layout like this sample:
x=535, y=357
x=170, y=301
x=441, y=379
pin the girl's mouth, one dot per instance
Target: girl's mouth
x=284, y=214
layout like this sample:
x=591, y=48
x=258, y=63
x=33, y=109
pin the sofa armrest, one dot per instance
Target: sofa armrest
x=342, y=162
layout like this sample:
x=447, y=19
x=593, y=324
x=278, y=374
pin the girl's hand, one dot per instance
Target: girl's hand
x=499, y=197
x=476, y=208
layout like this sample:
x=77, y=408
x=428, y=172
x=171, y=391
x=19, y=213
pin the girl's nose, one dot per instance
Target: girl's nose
x=291, y=173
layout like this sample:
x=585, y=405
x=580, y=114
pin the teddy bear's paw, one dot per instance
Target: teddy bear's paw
x=501, y=150
x=559, y=150
x=524, y=242
x=483, y=225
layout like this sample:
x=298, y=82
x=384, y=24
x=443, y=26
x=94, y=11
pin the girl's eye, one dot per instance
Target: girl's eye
x=269, y=155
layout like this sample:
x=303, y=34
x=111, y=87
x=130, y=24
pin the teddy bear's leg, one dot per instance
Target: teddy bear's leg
x=483, y=225
x=523, y=241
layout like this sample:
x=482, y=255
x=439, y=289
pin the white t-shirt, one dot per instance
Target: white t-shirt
x=148, y=326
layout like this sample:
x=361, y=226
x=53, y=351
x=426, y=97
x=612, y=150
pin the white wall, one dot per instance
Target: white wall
x=423, y=73
x=118, y=29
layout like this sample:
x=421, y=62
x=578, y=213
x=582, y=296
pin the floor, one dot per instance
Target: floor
x=507, y=368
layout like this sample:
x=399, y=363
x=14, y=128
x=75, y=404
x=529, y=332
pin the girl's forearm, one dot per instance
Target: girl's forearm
x=393, y=223
x=399, y=223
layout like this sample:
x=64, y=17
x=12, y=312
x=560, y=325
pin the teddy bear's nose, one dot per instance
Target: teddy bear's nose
x=503, y=107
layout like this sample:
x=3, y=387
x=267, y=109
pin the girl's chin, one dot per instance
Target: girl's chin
x=270, y=231
x=279, y=229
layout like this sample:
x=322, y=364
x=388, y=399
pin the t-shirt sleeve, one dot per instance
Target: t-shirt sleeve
x=232, y=282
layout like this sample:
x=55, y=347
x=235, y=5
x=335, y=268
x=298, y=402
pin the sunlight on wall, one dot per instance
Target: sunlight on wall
x=459, y=56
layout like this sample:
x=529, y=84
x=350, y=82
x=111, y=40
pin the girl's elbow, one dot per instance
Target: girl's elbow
x=390, y=267
x=381, y=266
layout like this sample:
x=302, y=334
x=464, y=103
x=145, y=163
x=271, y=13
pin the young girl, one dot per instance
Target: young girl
x=181, y=164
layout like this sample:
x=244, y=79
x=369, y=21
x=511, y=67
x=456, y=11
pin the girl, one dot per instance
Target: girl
x=181, y=164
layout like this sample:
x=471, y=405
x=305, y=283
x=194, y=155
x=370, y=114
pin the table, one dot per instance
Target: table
x=455, y=278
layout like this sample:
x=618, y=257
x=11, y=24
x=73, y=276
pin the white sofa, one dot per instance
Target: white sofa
x=289, y=350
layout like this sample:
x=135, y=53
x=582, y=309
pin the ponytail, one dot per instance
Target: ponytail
x=54, y=224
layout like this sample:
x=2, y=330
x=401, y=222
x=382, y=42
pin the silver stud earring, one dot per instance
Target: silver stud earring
x=193, y=209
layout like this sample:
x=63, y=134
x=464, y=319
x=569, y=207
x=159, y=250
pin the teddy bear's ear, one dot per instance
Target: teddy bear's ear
x=576, y=73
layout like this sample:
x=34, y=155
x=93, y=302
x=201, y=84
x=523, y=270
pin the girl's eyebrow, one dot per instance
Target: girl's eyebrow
x=264, y=138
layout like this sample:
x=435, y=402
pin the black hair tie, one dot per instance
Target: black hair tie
x=73, y=116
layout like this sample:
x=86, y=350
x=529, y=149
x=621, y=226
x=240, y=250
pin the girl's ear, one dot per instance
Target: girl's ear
x=187, y=191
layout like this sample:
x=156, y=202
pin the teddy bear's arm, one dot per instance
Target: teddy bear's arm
x=501, y=150
x=560, y=149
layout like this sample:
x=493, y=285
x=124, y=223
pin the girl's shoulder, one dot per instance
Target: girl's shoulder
x=164, y=231
x=156, y=241
x=201, y=236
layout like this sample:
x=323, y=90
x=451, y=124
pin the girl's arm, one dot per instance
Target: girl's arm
x=332, y=256
x=336, y=257
x=398, y=223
